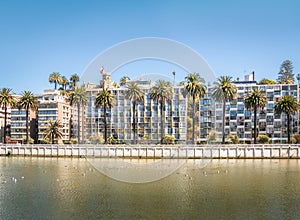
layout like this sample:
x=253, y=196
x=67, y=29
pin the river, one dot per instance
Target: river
x=69, y=188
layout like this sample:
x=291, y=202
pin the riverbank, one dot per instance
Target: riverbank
x=157, y=151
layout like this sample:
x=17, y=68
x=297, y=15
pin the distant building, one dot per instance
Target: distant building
x=239, y=120
x=120, y=118
x=51, y=106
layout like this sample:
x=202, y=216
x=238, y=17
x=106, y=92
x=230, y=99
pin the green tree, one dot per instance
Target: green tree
x=27, y=101
x=79, y=98
x=286, y=75
x=196, y=88
x=55, y=78
x=265, y=81
x=73, y=81
x=255, y=100
x=53, y=130
x=224, y=90
x=135, y=94
x=124, y=80
x=6, y=100
x=289, y=106
x=104, y=99
x=162, y=92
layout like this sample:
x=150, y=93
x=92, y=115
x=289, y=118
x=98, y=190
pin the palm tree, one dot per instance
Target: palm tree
x=6, y=100
x=79, y=97
x=55, y=78
x=64, y=82
x=162, y=92
x=73, y=80
x=53, y=130
x=136, y=95
x=27, y=101
x=195, y=87
x=124, y=80
x=255, y=100
x=224, y=90
x=105, y=99
x=288, y=105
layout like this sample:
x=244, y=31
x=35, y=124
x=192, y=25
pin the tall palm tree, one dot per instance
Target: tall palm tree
x=55, y=78
x=27, y=101
x=196, y=88
x=224, y=90
x=53, y=130
x=124, y=80
x=104, y=99
x=255, y=100
x=288, y=105
x=162, y=92
x=64, y=82
x=6, y=100
x=79, y=98
x=73, y=81
x=136, y=95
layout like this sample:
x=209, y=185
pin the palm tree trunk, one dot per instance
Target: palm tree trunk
x=5, y=121
x=288, y=128
x=78, y=123
x=52, y=138
x=223, y=121
x=27, y=139
x=255, y=132
x=193, y=131
x=105, y=126
x=82, y=123
x=162, y=127
x=134, y=123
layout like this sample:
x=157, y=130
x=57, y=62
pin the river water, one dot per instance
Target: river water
x=66, y=188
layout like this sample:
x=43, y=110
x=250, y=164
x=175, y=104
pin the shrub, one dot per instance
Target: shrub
x=263, y=139
x=293, y=140
x=111, y=140
x=297, y=138
x=168, y=139
x=234, y=139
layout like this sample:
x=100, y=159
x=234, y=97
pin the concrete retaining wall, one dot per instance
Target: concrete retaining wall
x=176, y=151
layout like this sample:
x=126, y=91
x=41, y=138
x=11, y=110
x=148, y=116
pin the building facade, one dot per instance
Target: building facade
x=120, y=120
x=240, y=121
x=51, y=106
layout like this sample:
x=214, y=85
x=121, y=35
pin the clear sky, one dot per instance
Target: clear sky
x=235, y=37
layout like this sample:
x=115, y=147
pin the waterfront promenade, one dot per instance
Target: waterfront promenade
x=155, y=151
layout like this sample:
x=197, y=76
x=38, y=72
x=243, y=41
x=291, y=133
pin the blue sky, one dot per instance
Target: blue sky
x=234, y=37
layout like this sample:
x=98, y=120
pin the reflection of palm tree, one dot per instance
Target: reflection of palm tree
x=6, y=100
x=73, y=80
x=124, y=80
x=287, y=105
x=136, y=95
x=194, y=85
x=255, y=100
x=79, y=97
x=162, y=92
x=224, y=90
x=55, y=78
x=53, y=130
x=105, y=99
x=27, y=102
